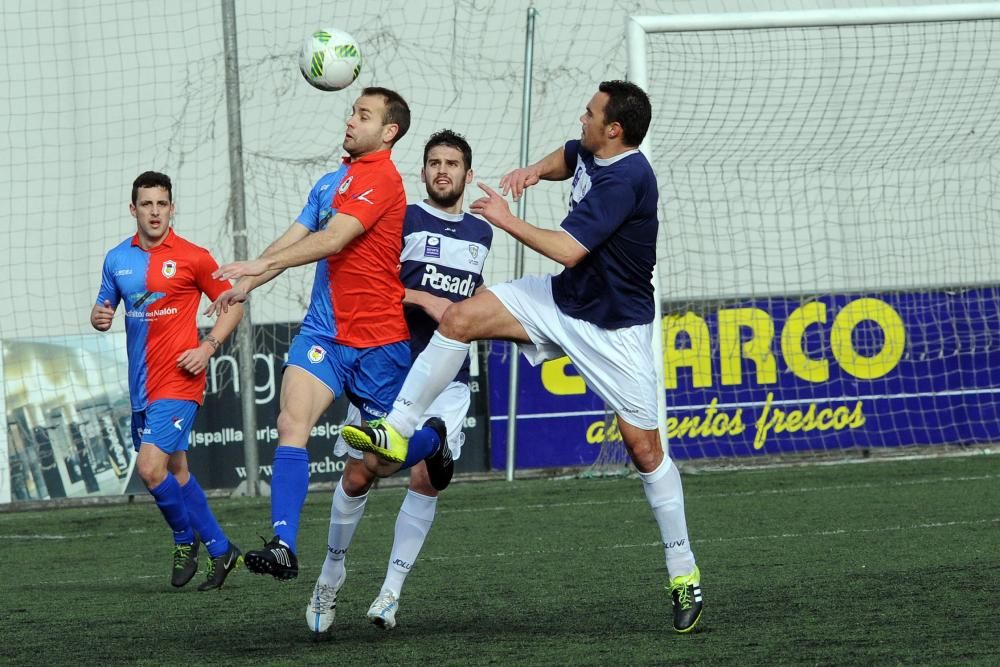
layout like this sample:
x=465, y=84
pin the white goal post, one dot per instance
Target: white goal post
x=638, y=32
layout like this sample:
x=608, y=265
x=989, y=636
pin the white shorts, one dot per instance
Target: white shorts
x=617, y=364
x=451, y=405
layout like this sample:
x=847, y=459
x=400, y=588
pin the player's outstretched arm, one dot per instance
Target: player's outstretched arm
x=195, y=360
x=239, y=292
x=552, y=167
x=341, y=230
x=101, y=315
x=557, y=245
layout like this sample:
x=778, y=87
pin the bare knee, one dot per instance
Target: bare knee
x=152, y=473
x=178, y=466
x=643, y=446
x=420, y=481
x=378, y=467
x=457, y=323
x=292, y=429
x=357, y=478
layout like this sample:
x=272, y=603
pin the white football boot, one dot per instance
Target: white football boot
x=322, y=605
x=383, y=611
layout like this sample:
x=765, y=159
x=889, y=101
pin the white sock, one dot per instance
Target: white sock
x=666, y=498
x=345, y=515
x=432, y=371
x=412, y=525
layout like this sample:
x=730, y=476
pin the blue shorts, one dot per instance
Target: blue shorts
x=371, y=377
x=165, y=423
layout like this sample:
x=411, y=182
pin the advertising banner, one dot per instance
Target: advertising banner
x=782, y=375
x=68, y=418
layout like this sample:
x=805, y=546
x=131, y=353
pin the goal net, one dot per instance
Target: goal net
x=829, y=185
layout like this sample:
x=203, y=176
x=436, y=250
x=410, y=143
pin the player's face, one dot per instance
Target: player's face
x=445, y=176
x=593, y=130
x=365, y=132
x=153, y=211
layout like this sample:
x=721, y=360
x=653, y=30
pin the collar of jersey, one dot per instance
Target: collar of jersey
x=606, y=161
x=371, y=157
x=439, y=214
x=167, y=242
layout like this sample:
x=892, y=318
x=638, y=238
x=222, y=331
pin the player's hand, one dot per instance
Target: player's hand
x=102, y=315
x=230, y=297
x=195, y=360
x=235, y=270
x=517, y=181
x=493, y=207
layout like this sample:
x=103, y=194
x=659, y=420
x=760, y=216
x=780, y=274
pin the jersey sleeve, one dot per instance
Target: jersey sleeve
x=310, y=215
x=570, y=152
x=206, y=266
x=372, y=195
x=109, y=287
x=600, y=212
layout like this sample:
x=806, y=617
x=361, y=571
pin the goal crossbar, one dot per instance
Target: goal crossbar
x=815, y=18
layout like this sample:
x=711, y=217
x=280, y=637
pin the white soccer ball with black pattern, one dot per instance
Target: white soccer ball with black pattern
x=330, y=59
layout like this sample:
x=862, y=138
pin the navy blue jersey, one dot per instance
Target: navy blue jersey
x=612, y=213
x=443, y=254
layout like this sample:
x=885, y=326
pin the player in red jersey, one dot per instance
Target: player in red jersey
x=354, y=339
x=161, y=278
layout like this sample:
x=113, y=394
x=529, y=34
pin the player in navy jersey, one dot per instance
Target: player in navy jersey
x=161, y=278
x=444, y=250
x=598, y=310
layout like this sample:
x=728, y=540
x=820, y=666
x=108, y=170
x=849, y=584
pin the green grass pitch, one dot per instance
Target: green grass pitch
x=879, y=563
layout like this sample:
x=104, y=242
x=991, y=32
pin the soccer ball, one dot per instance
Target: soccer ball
x=330, y=59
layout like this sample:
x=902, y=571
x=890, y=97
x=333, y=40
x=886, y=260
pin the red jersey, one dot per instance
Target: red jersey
x=162, y=289
x=357, y=296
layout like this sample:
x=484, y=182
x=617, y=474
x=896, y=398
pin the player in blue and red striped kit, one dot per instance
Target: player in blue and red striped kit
x=354, y=340
x=161, y=278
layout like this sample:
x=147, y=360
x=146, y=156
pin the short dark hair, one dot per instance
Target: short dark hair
x=628, y=105
x=397, y=111
x=453, y=140
x=152, y=179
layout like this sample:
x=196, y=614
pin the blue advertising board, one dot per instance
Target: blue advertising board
x=779, y=376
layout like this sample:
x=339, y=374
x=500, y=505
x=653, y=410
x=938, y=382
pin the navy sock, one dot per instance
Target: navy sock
x=203, y=520
x=170, y=500
x=423, y=443
x=289, y=485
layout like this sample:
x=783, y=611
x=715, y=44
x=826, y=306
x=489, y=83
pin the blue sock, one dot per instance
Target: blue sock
x=203, y=520
x=423, y=443
x=170, y=500
x=289, y=485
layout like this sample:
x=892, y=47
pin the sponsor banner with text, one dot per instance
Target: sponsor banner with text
x=783, y=376
x=68, y=418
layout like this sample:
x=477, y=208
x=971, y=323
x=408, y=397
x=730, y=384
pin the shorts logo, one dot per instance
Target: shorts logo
x=178, y=423
x=346, y=184
x=316, y=354
x=169, y=269
x=432, y=247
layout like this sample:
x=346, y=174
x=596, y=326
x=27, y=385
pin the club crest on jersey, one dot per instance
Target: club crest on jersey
x=346, y=184
x=169, y=268
x=432, y=247
x=473, y=250
x=316, y=354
